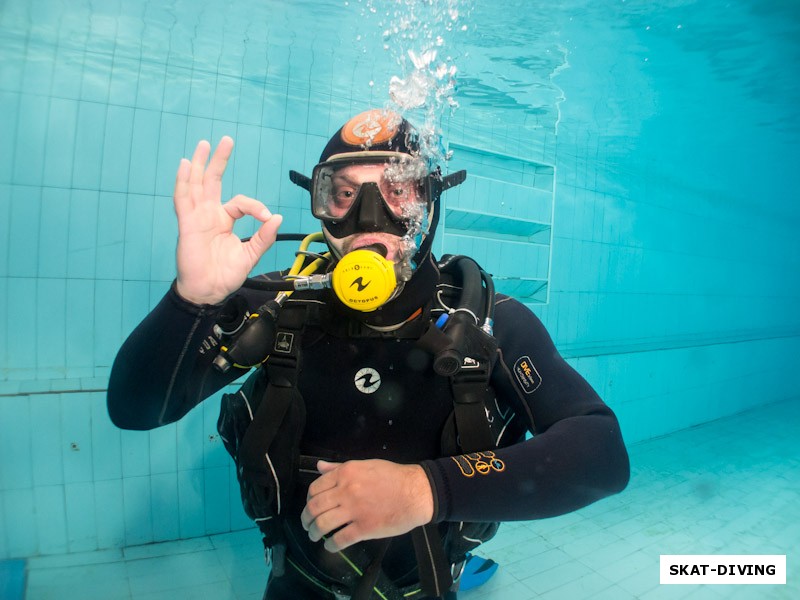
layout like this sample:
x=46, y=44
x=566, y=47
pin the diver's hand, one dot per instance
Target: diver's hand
x=367, y=499
x=212, y=261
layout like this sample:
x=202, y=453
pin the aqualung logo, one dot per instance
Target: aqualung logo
x=360, y=283
x=367, y=380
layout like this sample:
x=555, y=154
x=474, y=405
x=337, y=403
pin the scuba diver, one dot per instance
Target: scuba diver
x=382, y=433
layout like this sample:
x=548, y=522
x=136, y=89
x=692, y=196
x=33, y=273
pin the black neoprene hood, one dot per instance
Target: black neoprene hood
x=374, y=131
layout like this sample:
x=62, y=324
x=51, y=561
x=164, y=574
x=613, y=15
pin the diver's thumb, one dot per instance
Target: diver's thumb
x=323, y=466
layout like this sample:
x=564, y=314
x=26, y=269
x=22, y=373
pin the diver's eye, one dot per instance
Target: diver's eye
x=343, y=196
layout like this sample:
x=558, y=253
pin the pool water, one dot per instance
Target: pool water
x=631, y=179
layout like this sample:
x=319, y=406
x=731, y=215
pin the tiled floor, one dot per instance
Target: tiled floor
x=730, y=487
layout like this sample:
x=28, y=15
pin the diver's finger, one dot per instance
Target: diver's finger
x=344, y=538
x=321, y=484
x=212, y=179
x=199, y=159
x=183, y=196
x=262, y=240
x=327, y=522
x=324, y=466
x=241, y=205
x=317, y=506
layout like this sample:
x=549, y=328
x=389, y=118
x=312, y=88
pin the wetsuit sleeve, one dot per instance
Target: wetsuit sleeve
x=164, y=368
x=575, y=457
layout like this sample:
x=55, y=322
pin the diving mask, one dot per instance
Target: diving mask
x=387, y=191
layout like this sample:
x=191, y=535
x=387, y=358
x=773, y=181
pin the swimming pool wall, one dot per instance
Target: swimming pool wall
x=674, y=297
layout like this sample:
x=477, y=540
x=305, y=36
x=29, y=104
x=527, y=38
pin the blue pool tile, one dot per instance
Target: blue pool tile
x=201, y=98
x=251, y=102
x=110, y=236
x=226, y=98
x=135, y=447
x=19, y=518
x=150, y=89
x=47, y=452
x=246, y=172
x=109, y=497
x=177, y=89
x=82, y=223
x=15, y=425
x=117, y=148
x=12, y=579
x=23, y=243
x=270, y=171
x=54, y=233
x=80, y=511
x=96, y=76
x=197, y=128
x=137, y=510
x=171, y=143
x=107, y=322
x=165, y=502
x=51, y=341
x=141, y=177
x=92, y=581
x=217, y=500
x=77, y=447
x=135, y=304
x=60, y=148
x=51, y=520
x=37, y=74
x=9, y=104
x=124, y=81
x=106, y=464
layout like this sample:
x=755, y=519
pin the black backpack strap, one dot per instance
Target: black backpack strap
x=434, y=569
x=270, y=449
x=372, y=574
x=471, y=393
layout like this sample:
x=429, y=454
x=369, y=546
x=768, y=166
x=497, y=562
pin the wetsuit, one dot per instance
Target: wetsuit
x=377, y=396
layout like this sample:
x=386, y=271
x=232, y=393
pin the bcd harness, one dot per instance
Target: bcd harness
x=262, y=425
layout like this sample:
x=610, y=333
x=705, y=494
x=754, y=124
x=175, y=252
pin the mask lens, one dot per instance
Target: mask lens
x=335, y=187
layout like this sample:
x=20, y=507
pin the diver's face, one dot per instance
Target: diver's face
x=399, y=192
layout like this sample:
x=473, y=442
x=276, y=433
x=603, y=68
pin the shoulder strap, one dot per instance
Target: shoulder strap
x=272, y=460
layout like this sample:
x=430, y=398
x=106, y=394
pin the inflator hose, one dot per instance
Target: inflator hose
x=471, y=298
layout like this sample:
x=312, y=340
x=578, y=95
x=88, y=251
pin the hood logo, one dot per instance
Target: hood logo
x=367, y=380
x=370, y=127
x=360, y=283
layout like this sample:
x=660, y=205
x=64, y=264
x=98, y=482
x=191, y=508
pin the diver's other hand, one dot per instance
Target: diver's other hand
x=212, y=261
x=366, y=500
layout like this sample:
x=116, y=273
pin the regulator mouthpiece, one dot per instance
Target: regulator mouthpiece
x=364, y=280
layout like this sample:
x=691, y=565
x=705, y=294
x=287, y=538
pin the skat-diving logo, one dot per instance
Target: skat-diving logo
x=367, y=380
